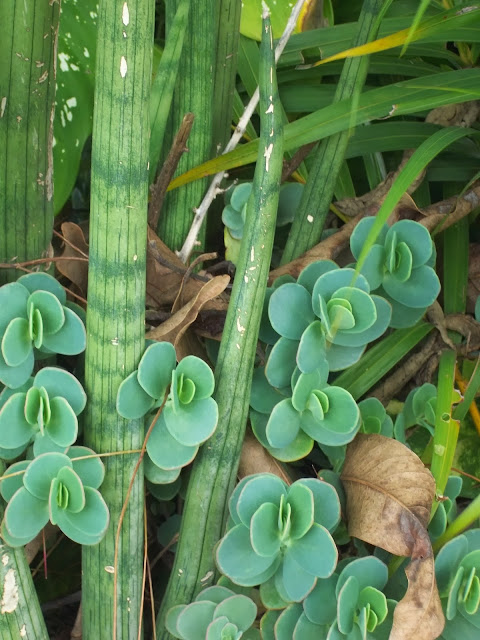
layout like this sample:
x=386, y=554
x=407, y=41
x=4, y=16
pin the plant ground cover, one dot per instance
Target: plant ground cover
x=240, y=406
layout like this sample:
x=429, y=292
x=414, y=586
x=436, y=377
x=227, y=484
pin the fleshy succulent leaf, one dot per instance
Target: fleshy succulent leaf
x=132, y=400
x=290, y=310
x=71, y=339
x=41, y=471
x=155, y=369
x=258, y=489
x=200, y=373
x=194, y=423
x=25, y=515
x=16, y=342
x=91, y=471
x=166, y=451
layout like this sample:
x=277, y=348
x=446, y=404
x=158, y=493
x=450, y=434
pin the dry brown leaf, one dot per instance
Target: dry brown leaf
x=389, y=499
x=75, y=246
x=256, y=459
x=173, y=329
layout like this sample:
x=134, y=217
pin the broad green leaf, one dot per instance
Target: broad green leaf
x=8, y=486
x=15, y=431
x=75, y=82
x=200, y=373
x=283, y=425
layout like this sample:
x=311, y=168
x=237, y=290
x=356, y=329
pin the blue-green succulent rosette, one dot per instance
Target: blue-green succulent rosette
x=36, y=320
x=457, y=571
x=189, y=416
x=280, y=532
x=327, y=315
x=56, y=487
x=399, y=267
x=217, y=613
x=44, y=411
x=349, y=605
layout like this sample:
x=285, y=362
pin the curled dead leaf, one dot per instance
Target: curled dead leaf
x=389, y=499
x=173, y=329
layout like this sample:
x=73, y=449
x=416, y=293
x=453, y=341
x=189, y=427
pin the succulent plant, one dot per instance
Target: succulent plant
x=35, y=318
x=457, y=570
x=374, y=418
x=399, y=267
x=217, y=613
x=326, y=414
x=328, y=314
x=44, y=410
x=189, y=416
x=55, y=487
x=280, y=532
x=347, y=605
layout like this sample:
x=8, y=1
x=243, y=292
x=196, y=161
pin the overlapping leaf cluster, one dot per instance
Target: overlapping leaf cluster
x=189, y=416
x=40, y=415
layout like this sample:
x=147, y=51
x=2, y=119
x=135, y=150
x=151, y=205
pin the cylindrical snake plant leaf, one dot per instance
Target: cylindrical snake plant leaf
x=28, y=46
x=313, y=208
x=116, y=306
x=214, y=472
x=193, y=93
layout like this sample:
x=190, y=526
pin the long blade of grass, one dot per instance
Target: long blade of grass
x=401, y=98
x=453, y=25
x=316, y=197
x=380, y=359
x=214, y=471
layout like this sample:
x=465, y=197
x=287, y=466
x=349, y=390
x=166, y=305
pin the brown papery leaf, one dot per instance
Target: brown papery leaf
x=389, y=499
x=173, y=329
x=256, y=459
x=75, y=246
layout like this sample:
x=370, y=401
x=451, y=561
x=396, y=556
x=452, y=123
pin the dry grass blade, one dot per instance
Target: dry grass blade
x=389, y=498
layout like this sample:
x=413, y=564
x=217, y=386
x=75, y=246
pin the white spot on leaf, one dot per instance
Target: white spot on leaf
x=10, y=593
x=123, y=67
x=267, y=154
x=125, y=14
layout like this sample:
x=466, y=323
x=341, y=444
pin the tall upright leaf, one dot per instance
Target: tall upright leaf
x=27, y=96
x=313, y=208
x=193, y=93
x=116, y=304
x=27, y=99
x=215, y=468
